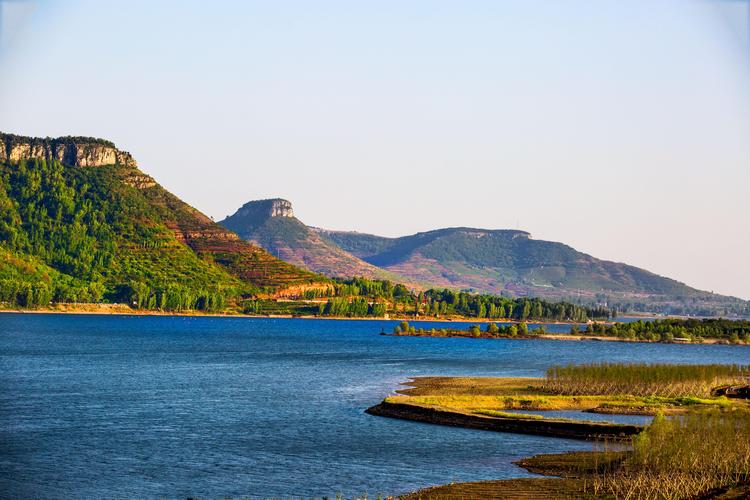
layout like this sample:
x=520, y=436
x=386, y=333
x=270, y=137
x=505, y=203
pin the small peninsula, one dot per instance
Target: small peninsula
x=698, y=441
x=670, y=330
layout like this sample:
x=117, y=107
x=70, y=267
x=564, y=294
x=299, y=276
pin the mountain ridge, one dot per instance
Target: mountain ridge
x=504, y=261
x=401, y=247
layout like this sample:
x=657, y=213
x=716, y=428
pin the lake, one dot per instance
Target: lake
x=129, y=406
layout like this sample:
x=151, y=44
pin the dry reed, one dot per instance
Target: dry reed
x=644, y=379
x=682, y=457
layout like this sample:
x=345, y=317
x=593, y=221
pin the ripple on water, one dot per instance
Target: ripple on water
x=96, y=406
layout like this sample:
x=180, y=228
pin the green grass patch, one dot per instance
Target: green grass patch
x=505, y=414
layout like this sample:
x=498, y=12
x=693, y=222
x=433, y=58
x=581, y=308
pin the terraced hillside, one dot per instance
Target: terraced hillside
x=79, y=222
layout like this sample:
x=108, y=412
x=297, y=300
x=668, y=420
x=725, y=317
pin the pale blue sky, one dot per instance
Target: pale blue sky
x=620, y=128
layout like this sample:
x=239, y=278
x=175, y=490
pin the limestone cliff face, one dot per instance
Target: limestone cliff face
x=260, y=210
x=73, y=151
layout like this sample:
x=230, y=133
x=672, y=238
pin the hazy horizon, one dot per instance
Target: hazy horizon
x=621, y=129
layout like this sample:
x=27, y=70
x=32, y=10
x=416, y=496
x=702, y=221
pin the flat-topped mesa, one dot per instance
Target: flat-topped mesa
x=73, y=151
x=480, y=233
x=262, y=209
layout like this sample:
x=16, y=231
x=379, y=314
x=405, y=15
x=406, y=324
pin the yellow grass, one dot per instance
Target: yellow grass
x=484, y=394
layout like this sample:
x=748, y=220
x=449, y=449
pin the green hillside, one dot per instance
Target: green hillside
x=79, y=222
x=509, y=261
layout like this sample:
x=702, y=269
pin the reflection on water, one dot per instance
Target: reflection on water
x=594, y=417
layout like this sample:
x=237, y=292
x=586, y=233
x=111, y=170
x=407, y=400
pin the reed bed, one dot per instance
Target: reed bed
x=644, y=380
x=682, y=457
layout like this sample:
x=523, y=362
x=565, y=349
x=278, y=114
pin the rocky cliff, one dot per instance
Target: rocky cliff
x=259, y=210
x=73, y=151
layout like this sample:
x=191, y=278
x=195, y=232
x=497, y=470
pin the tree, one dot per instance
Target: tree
x=526, y=310
x=481, y=311
x=536, y=311
x=435, y=308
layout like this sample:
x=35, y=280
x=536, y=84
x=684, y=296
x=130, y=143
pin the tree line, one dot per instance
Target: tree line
x=398, y=299
x=667, y=330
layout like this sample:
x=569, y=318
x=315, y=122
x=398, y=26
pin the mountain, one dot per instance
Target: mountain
x=271, y=224
x=497, y=261
x=512, y=262
x=508, y=262
x=80, y=222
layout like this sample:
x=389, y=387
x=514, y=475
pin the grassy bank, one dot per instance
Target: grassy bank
x=700, y=456
x=487, y=394
x=569, y=470
x=700, y=449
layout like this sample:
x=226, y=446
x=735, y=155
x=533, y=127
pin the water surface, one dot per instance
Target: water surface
x=121, y=406
x=591, y=417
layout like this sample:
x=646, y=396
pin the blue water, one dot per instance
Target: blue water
x=584, y=415
x=97, y=406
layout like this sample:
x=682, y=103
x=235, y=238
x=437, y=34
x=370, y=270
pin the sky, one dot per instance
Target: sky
x=619, y=128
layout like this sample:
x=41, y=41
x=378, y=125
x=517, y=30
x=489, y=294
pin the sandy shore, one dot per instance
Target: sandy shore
x=124, y=309
x=127, y=311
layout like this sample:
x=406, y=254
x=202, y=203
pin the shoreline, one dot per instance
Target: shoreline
x=560, y=476
x=136, y=312
x=559, y=428
x=124, y=310
x=567, y=337
x=471, y=402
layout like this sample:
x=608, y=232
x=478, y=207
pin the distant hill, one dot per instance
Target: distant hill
x=79, y=222
x=272, y=225
x=507, y=262
x=512, y=262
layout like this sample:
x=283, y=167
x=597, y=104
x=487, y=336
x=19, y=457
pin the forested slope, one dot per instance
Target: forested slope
x=79, y=222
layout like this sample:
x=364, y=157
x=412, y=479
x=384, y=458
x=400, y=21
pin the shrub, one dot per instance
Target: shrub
x=683, y=457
